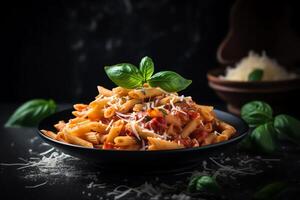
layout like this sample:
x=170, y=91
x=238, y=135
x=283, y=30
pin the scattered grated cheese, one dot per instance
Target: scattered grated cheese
x=164, y=136
x=146, y=188
x=36, y=186
x=109, y=125
x=46, y=152
x=141, y=119
x=181, y=97
x=132, y=125
x=123, y=115
x=172, y=102
x=215, y=132
x=178, y=109
x=152, y=104
x=231, y=169
x=143, y=145
x=180, y=196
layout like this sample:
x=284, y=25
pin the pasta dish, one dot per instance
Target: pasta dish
x=144, y=118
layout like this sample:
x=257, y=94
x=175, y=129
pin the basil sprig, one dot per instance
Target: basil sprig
x=31, y=113
x=256, y=75
x=268, y=131
x=129, y=76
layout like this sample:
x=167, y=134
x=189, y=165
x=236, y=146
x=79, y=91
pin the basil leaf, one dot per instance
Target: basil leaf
x=263, y=137
x=270, y=191
x=256, y=75
x=192, y=184
x=203, y=183
x=125, y=75
x=207, y=183
x=169, y=81
x=256, y=113
x=146, y=68
x=287, y=125
x=31, y=113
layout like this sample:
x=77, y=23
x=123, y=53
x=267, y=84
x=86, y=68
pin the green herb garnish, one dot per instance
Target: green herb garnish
x=263, y=137
x=203, y=183
x=287, y=128
x=31, y=113
x=256, y=75
x=164, y=112
x=125, y=75
x=268, y=130
x=146, y=68
x=169, y=81
x=129, y=76
x=256, y=113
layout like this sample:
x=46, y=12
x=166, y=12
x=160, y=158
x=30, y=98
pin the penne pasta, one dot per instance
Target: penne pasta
x=206, y=112
x=60, y=136
x=221, y=138
x=145, y=93
x=208, y=127
x=80, y=107
x=159, y=144
x=77, y=140
x=119, y=91
x=50, y=134
x=144, y=133
x=109, y=112
x=141, y=119
x=105, y=92
x=190, y=127
x=114, y=131
x=86, y=126
x=209, y=139
x=60, y=125
x=138, y=107
x=173, y=120
x=92, y=137
x=125, y=141
x=226, y=129
x=129, y=105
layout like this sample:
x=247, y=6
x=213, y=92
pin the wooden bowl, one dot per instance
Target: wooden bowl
x=282, y=95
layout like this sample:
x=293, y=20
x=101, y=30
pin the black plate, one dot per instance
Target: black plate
x=146, y=161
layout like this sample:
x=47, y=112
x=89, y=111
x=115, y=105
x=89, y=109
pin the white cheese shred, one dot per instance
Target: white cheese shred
x=36, y=186
x=132, y=125
x=109, y=125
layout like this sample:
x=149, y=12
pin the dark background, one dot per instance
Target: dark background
x=57, y=49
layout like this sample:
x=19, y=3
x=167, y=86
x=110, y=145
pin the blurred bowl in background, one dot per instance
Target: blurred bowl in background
x=282, y=95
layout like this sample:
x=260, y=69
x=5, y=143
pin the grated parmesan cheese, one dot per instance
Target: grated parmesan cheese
x=272, y=70
x=36, y=186
x=132, y=125
x=109, y=125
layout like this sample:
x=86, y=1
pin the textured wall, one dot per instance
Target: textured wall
x=58, y=49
